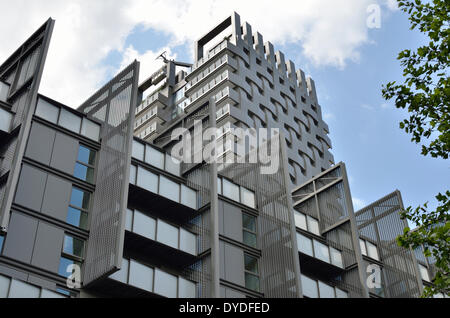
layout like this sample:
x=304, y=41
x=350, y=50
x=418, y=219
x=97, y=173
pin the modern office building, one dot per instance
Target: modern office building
x=94, y=202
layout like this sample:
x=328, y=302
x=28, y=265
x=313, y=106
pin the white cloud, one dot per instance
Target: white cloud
x=330, y=32
x=358, y=204
x=367, y=106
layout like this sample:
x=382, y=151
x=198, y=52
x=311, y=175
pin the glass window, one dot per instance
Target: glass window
x=321, y=251
x=2, y=239
x=90, y=129
x=84, y=173
x=144, y=225
x=147, y=180
x=4, y=90
x=133, y=171
x=249, y=230
x=326, y=291
x=47, y=111
x=424, y=273
x=341, y=294
x=166, y=284
x=5, y=120
x=129, y=220
x=122, y=275
x=188, y=242
x=20, y=289
x=188, y=197
x=167, y=234
x=169, y=189
x=248, y=197
x=4, y=286
x=73, y=246
x=51, y=294
x=300, y=221
x=80, y=198
x=64, y=266
x=138, y=150
x=70, y=121
x=309, y=287
x=313, y=225
x=251, y=272
x=77, y=218
x=219, y=185
x=173, y=165
x=141, y=276
x=230, y=190
x=336, y=257
x=362, y=244
x=305, y=245
x=154, y=157
x=372, y=251
x=186, y=288
x=86, y=155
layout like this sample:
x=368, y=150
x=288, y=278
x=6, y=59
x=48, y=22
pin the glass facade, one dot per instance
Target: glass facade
x=251, y=272
x=84, y=167
x=249, y=230
x=77, y=214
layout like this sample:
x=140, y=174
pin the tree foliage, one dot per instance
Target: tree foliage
x=425, y=93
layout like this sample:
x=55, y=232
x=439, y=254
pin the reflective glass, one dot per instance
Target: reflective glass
x=321, y=251
x=165, y=284
x=188, y=197
x=83, y=172
x=336, y=258
x=73, y=246
x=188, y=242
x=147, y=180
x=313, y=225
x=305, y=245
x=154, y=157
x=144, y=225
x=372, y=251
x=141, y=276
x=80, y=198
x=248, y=197
x=186, y=288
x=90, y=129
x=70, y=121
x=122, y=275
x=309, y=287
x=326, y=291
x=300, y=221
x=64, y=266
x=362, y=244
x=167, y=234
x=173, y=165
x=20, y=289
x=47, y=111
x=77, y=218
x=169, y=189
x=230, y=190
x=86, y=155
x=138, y=150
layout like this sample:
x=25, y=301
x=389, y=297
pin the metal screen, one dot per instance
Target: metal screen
x=114, y=105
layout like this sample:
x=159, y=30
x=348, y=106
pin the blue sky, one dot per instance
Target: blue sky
x=328, y=39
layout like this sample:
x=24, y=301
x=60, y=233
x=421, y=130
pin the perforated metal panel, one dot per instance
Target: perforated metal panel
x=23, y=72
x=114, y=105
x=380, y=223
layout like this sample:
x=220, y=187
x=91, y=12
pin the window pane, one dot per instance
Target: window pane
x=4, y=286
x=70, y=121
x=64, y=266
x=165, y=284
x=147, y=180
x=167, y=234
x=313, y=225
x=362, y=244
x=336, y=258
x=305, y=245
x=47, y=111
x=341, y=293
x=122, y=275
x=249, y=239
x=133, y=171
x=144, y=225
x=154, y=157
x=77, y=218
x=129, y=220
x=90, y=129
x=186, y=288
x=188, y=242
x=86, y=155
x=309, y=287
x=138, y=150
x=248, y=197
x=173, y=165
x=424, y=273
x=252, y=282
x=141, y=276
x=5, y=120
x=321, y=251
x=372, y=251
x=251, y=264
x=80, y=198
x=188, y=197
x=169, y=189
x=2, y=238
x=300, y=221
x=84, y=173
x=326, y=291
x=73, y=246
x=249, y=222
x=51, y=294
x=20, y=289
x=230, y=190
x=219, y=185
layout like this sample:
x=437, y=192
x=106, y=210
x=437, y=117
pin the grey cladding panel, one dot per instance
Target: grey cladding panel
x=47, y=249
x=56, y=198
x=30, y=189
x=232, y=222
x=20, y=239
x=64, y=153
x=40, y=143
x=234, y=265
